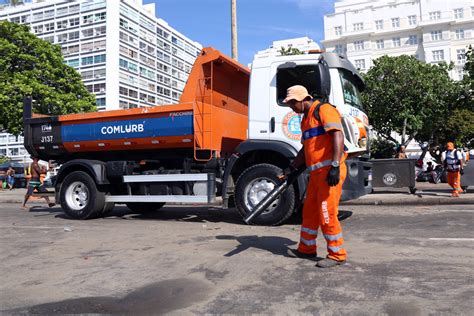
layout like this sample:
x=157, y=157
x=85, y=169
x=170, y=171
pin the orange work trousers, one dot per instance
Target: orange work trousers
x=320, y=210
x=454, y=180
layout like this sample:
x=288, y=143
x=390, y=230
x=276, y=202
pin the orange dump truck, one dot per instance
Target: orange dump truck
x=189, y=152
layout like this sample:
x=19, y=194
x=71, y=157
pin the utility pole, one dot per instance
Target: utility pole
x=234, y=29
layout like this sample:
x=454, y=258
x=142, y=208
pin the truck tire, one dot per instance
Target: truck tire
x=80, y=198
x=143, y=207
x=253, y=185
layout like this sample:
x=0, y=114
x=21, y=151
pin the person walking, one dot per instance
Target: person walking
x=10, y=178
x=323, y=154
x=401, y=153
x=35, y=183
x=452, y=161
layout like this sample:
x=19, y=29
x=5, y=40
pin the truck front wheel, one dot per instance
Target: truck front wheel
x=253, y=185
x=80, y=198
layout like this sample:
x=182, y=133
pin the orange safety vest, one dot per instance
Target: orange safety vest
x=318, y=144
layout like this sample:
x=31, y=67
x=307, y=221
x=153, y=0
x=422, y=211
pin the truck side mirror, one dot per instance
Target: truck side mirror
x=323, y=82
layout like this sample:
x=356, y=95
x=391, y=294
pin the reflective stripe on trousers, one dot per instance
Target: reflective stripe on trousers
x=320, y=210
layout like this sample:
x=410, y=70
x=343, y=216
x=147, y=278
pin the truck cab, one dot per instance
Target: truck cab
x=274, y=129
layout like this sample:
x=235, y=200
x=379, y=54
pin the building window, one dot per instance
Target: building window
x=396, y=42
x=87, y=33
x=48, y=14
x=395, y=22
x=49, y=27
x=73, y=36
x=338, y=30
x=461, y=74
x=38, y=29
x=72, y=62
x=461, y=56
x=460, y=34
x=360, y=63
x=436, y=35
x=412, y=40
x=339, y=49
x=74, y=8
x=358, y=26
x=435, y=15
x=412, y=20
x=359, y=45
x=61, y=11
x=87, y=61
x=380, y=44
x=458, y=13
x=74, y=22
x=86, y=19
x=62, y=38
x=438, y=55
x=36, y=16
x=100, y=102
x=99, y=59
x=379, y=24
x=62, y=24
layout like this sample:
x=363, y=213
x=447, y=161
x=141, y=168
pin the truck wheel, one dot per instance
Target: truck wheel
x=80, y=198
x=142, y=207
x=253, y=185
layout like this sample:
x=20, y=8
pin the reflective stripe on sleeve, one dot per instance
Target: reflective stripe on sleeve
x=319, y=165
x=313, y=132
x=333, y=125
x=308, y=242
x=309, y=231
x=333, y=237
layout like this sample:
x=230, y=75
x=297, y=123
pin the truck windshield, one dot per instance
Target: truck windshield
x=350, y=90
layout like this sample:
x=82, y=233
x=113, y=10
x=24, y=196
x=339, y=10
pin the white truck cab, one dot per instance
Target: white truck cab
x=274, y=132
x=270, y=119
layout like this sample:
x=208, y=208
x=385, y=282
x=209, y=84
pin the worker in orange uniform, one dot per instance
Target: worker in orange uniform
x=452, y=161
x=323, y=154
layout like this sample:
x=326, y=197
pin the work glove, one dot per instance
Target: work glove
x=333, y=176
x=461, y=171
x=287, y=172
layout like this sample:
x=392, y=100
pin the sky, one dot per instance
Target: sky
x=259, y=22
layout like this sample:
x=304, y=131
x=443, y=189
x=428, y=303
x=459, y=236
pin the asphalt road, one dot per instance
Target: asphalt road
x=403, y=260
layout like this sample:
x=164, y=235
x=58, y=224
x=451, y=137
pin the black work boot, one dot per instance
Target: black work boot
x=328, y=263
x=295, y=253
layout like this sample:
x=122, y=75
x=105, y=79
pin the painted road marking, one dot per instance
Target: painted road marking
x=453, y=239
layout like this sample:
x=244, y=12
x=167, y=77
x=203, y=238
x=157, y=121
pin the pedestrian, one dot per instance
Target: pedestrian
x=452, y=161
x=3, y=180
x=401, y=153
x=10, y=178
x=35, y=183
x=323, y=154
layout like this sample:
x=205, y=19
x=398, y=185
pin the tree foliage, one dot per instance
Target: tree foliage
x=290, y=51
x=405, y=94
x=32, y=66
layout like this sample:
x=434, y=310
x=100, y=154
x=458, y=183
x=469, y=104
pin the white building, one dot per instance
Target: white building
x=126, y=56
x=431, y=30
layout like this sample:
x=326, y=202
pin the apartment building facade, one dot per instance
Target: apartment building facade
x=126, y=56
x=432, y=30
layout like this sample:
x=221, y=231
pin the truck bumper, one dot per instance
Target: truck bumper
x=358, y=180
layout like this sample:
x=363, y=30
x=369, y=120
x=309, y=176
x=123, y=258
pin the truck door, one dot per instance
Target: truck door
x=287, y=123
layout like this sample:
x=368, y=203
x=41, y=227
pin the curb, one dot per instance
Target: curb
x=420, y=201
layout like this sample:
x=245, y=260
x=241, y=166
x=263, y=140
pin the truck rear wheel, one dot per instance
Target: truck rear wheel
x=253, y=185
x=142, y=207
x=80, y=198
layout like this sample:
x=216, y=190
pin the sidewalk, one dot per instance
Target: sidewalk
x=427, y=194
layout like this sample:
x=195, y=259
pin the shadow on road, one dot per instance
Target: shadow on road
x=274, y=244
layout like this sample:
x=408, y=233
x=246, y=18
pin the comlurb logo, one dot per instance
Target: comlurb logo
x=292, y=126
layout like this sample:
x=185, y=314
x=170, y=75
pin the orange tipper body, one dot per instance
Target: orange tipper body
x=212, y=116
